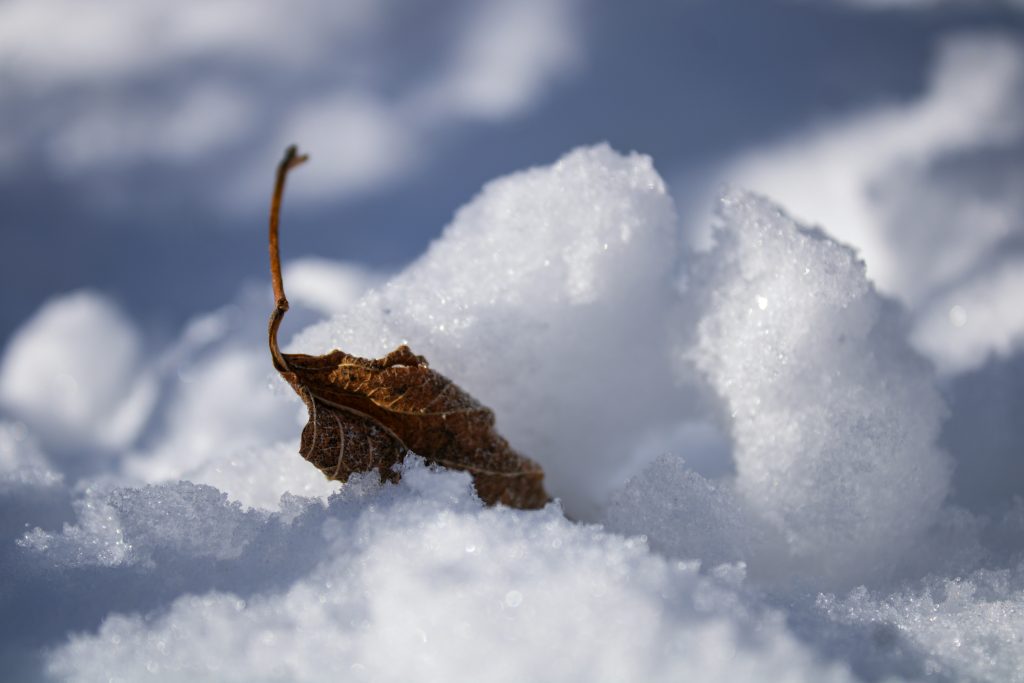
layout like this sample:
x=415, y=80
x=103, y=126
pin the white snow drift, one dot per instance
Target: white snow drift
x=561, y=297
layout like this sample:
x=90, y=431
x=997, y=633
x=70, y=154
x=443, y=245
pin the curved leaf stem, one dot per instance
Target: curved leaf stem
x=291, y=159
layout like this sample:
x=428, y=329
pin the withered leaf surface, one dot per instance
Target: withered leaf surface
x=368, y=414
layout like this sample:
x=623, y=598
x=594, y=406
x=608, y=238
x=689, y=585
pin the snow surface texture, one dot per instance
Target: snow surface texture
x=422, y=583
x=928, y=191
x=745, y=436
x=818, y=379
x=510, y=302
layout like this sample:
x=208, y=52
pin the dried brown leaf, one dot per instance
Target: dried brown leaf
x=369, y=414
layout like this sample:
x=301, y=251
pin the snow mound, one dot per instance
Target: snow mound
x=129, y=526
x=420, y=582
x=751, y=416
x=834, y=417
x=545, y=299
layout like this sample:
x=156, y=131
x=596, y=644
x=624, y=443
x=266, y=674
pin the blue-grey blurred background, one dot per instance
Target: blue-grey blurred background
x=137, y=138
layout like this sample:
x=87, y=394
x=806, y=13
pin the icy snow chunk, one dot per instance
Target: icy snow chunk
x=419, y=582
x=965, y=629
x=73, y=373
x=97, y=540
x=834, y=417
x=546, y=299
x=131, y=526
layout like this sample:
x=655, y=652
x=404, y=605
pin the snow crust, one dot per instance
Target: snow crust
x=968, y=628
x=422, y=583
x=744, y=441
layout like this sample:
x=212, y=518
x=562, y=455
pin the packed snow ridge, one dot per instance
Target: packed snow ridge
x=746, y=440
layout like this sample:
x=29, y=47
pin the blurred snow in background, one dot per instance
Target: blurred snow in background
x=342, y=87
x=786, y=427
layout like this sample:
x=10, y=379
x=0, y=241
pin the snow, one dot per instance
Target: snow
x=224, y=419
x=818, y=379
x=195, y=85
x=967, y=628
x=563, y=256
x=685, y=515
x=425, y=584
x=924, y=192
x=979, y=319
x=750, y=461
x=22, y=463
x=919, y=5
x=75, y=373
x=327, y=286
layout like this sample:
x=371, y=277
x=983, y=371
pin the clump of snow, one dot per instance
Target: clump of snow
x=75, y=373
x=420, y=582
x=965, y=629
x=834, y=417
x=546, y=299
x=129, y=526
